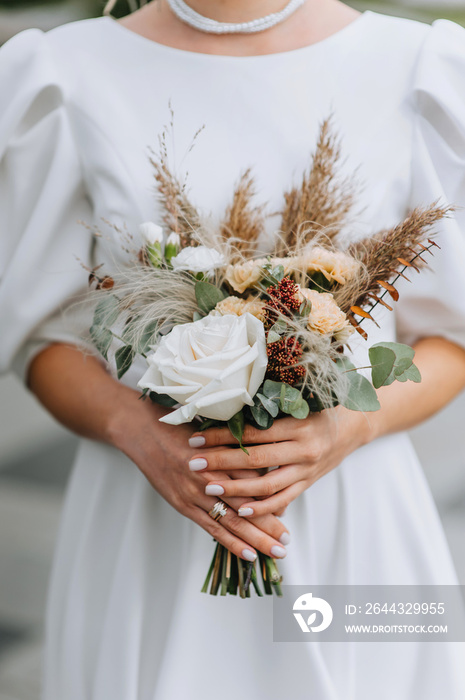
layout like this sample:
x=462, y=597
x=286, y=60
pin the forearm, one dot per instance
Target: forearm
x=404, y=405
x=78, y=391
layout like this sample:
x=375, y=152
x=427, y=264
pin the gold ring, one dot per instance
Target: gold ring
x=218, y=511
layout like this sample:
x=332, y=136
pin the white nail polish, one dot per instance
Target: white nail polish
x=197, y=441
x=197, y=464
x=215, y=490
x=278, y=552
x=245, y=511
x=248, y=554
x=285, y=538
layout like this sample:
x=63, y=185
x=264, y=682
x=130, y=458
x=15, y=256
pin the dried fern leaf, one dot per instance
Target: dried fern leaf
x=382, y=255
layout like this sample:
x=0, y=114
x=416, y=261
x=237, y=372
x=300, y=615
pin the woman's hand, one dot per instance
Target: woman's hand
x=304, y=450
x=162, y=452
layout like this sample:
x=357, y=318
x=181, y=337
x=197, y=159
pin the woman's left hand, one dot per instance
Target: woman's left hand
x=305, y=450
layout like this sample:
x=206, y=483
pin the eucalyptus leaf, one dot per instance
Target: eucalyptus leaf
x=236, y=426
x=361, y=395
x=382, y=364
x=268, y=404
x=272, y=337
x=290, y=398
x=196, y=316
x=207, y=296
x=101, y=338
x=278, y=272
x=412, y=373
x=107, y=311
x=124, y=357
x=263, y=419
x=272, y=389
x=147, y=337
x=299, y=409
x=403, y=360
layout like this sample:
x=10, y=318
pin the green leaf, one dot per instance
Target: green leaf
x=361, y=395
x=305, y=308
x=272, y=389
x=107, y=311
x=412, y=373
x=272, y=337
x=236, y=426
x=268, y=404
x=124, y=357
x=290, y=398
x=299, y=409
x=263, y=419
x=382, y=361
x=196, y=316
x=162, y=399
x=207, y=296
x=403, y=360
x=101, y=338
x=278, y=272
x=147, y=338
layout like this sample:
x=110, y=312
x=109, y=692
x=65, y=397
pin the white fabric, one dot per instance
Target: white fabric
x=81, y=104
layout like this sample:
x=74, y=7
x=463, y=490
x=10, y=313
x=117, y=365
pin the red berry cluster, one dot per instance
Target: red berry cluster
x=285, y=298
x=283, y=356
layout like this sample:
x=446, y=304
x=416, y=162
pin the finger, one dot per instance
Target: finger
x=277, y=502
x=246, y=531
x=266, y=485
x=280, y=430
x=258, y=457
x=236, y=546
x=269, y=523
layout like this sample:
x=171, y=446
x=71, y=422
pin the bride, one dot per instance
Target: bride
x=349, y=503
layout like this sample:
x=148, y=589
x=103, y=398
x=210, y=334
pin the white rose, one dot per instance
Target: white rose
x=213, y=366
x=198, y=259
x=151, y=233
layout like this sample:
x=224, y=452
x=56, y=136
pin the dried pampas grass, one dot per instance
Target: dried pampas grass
x=323, y=201
x=244, y=222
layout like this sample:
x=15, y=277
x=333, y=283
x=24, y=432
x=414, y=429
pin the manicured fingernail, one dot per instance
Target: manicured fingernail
x=197, y=464
x=278, y=552
x=249, y=555
x=285, y=537
x=216, y=490
x=245, y=511
x=197, y=441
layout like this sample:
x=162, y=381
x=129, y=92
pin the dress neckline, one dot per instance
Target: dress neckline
x=336, y=39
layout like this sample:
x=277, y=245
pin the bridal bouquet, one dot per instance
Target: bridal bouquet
x=231, y=337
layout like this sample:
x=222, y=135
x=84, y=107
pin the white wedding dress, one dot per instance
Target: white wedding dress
x=80, y=107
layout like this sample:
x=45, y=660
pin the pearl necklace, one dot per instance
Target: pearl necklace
x=211, y=26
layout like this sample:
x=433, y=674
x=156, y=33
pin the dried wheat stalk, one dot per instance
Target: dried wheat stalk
x=180, y=215
x=244, y=222
x=323, y=200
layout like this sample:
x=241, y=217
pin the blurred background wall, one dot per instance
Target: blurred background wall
x=36, y=453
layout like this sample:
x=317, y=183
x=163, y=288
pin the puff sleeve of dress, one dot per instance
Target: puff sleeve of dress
x=42, y=198
x=435, y=303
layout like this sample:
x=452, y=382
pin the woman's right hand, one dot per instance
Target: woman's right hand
x=162, y=453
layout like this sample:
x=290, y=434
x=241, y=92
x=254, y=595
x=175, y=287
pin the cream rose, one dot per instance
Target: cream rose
x=245, y=275
x=198, y=259
x=213, y=367
x=333, y=264
x=238, y=306
x=326, y=317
